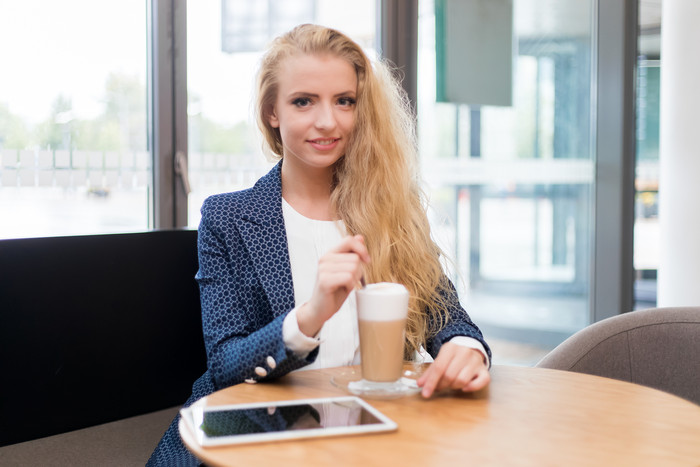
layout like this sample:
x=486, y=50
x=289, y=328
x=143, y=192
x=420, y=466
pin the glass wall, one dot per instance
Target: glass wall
x=510, y=173
x=74, y=156
x=225, y=39
x=511, y=170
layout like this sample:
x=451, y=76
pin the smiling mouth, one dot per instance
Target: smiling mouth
x=324, y=141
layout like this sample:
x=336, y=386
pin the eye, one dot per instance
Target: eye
x=301, y=102
x=346, y=101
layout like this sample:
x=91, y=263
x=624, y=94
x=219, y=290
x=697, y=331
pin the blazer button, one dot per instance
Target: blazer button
x=260, y=371
x=271, y=363
x=250, y=381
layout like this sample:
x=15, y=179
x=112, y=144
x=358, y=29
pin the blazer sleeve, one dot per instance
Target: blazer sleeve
x=243, y=339
x=458, y=324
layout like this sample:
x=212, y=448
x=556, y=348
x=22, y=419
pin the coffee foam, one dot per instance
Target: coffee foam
x=385, y=288
x=382, y=301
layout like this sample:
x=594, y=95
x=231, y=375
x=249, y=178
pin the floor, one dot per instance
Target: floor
x=507, y=352
x=522, y=329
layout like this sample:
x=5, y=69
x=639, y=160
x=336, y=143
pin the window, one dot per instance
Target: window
x=531, y=176
x=74, y=155
x=514, y=179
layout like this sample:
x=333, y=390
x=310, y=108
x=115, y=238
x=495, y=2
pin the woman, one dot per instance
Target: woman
x=279, y=261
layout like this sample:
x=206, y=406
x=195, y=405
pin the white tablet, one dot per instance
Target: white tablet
x=282, y=420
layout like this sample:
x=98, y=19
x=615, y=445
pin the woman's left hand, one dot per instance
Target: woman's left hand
x=456, y=367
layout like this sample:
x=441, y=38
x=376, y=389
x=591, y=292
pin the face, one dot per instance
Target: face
x=314, y=109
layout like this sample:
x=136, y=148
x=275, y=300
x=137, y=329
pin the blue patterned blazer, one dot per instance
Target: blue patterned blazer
x=246, y=288
x=245, y=283
x=246, y=291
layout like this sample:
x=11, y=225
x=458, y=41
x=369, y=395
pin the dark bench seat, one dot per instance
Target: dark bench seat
x=93, y=330
x=126, y=442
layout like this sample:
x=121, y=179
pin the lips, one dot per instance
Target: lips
x=324, y=144
x=324, y=141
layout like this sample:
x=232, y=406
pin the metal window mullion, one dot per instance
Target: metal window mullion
x=398, y=36
x=612, y=272
x=169, y=112
x=180, y=99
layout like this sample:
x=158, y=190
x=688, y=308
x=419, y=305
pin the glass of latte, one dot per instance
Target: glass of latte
x=381, y=311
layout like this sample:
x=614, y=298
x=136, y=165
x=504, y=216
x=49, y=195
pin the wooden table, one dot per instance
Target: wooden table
x=527, y=416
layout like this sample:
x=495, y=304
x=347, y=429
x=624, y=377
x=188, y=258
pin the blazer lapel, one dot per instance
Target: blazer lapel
x=261, y=225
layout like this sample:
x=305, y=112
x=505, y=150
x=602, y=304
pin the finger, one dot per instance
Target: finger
x=465, y=377
x=480, y=381
x=438, y=367
x=469, y=362
x=332, y=281
x=430, y=379
x=454, y=376
x=366, y=260
x=346, y=262
x=362, y=248
x=350, y=265
x=457, y=367
x=353, y=244
x=341, y=258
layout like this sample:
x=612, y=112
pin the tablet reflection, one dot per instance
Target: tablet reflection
x=285, y=418
x=260, y=420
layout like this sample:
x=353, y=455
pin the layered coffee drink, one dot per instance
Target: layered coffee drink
x=381, y=345
x=381, y=310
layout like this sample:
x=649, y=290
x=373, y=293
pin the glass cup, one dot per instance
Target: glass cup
x=381, y=312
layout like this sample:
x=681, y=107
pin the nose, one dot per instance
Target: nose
x=325, y=117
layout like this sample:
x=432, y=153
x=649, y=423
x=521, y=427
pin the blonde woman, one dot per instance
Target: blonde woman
x=279, y=262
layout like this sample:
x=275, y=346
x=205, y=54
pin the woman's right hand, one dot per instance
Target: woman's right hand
x=339, y=271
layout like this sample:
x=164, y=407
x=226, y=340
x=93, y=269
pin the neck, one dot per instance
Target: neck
x=308, y=191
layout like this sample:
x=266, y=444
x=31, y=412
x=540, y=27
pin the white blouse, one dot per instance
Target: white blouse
x=308, y=240
x=339, y=338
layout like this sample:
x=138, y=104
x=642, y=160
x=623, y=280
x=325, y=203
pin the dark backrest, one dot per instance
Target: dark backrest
x=658, y=347
x=96, y=328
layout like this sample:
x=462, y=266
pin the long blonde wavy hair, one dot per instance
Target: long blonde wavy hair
x=376, y=189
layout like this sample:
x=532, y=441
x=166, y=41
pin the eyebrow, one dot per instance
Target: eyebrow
x=314, y=95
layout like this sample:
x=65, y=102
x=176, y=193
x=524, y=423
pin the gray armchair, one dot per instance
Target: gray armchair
x=658, y=347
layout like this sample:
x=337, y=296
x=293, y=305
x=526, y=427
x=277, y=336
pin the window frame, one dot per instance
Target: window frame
x=168, y=110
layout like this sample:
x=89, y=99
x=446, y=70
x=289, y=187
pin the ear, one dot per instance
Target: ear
x=272, y=118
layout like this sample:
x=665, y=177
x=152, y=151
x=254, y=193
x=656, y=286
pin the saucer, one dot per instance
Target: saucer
x=351, y=381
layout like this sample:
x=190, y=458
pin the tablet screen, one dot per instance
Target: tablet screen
x=284, y=420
